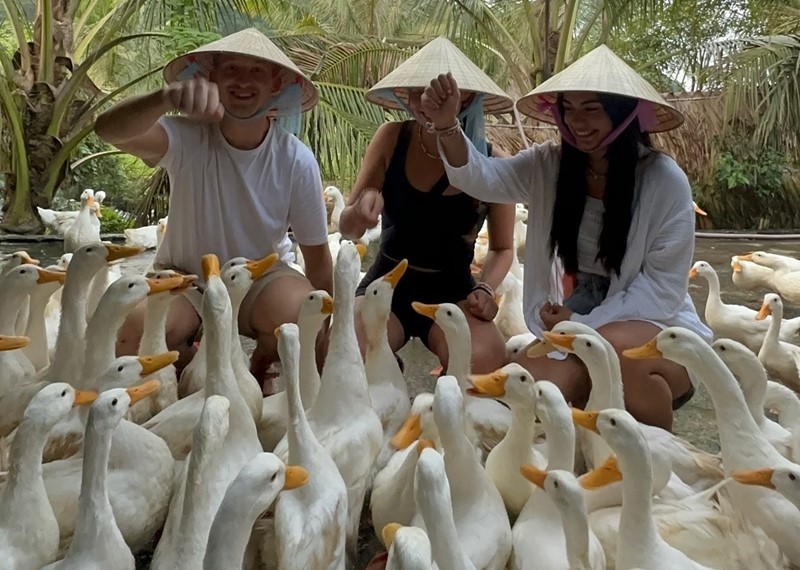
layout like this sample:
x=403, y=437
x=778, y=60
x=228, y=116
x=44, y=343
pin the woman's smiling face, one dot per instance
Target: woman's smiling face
x=586, y=119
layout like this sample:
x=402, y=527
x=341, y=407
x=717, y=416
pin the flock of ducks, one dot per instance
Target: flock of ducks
x=106, y=456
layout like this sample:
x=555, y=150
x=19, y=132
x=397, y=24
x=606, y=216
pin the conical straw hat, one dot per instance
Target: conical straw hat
x=438, y=56
x=249, y=42
x=599, y=71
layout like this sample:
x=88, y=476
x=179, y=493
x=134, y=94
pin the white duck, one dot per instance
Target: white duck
x=582, y=549
x=241, y=442
x=342, y=417
x=743, y=445
x=66, y=438
x=487, y=420
x=314, y=310
x=736, y=322
x=478, y=511
x=238, y=275
x=409, y=547
x=517, y=344
x=38, y=351
x=536, y=539
x=510, y=318
x=639, y=544
x=14, y=260
x=785, y=480
x=84, y=228
x=752, y=378
x=781, y=359
x=309, y=524
x=154, y=341
x=433, y=495
x=388, y=391
x=392, y=497
x=514, y=386
x=101, y=333
x=98, y=542
x=28, y=527
x=17, y=284
x=68, y=359
x=669, y=453
x=333, y=196
x=750, y=276
x=252, y=491
x=185, y=546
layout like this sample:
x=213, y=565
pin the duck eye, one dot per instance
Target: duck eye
x=722, y=348
x=22, y=271
x=114, y=402
x=63, y=393
x=130, y=285
x=613, y=422
x=672, y=335
x=449, y=313
x=555, y=484
x=119, y=369
x=88, y=249
x=274, y=476
x=233, y=277
x=792, y=476
x=311, y=297
x=522, y=378
x=375, y=292
x=588, y=344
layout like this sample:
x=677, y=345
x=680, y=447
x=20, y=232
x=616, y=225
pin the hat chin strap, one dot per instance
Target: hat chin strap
x=644, y=111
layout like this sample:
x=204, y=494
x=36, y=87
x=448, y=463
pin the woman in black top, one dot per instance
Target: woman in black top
x=433, y=226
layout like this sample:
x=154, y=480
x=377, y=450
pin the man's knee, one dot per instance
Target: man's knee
x=130, y=333
x=488, y=351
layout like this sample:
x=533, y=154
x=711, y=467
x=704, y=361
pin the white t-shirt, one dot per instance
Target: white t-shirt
x=589, y=237
x=233, y=202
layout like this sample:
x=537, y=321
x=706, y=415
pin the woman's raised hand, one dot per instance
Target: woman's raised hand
x=441, y=101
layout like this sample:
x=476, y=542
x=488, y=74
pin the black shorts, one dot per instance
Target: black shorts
x=422, y=286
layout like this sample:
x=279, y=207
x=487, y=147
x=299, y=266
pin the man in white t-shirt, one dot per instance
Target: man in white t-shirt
x=238, y=181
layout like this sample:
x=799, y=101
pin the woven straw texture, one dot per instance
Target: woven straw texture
x=249, y=42
x=599, y=71
x=439, y=56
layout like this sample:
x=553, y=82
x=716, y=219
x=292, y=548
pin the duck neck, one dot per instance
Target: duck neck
x=459, y=350
x=95, y=516
x=636, y=525
x=154, y=339
x=522, y=431
x=101, y=339
x=772, y=337
x=461, y=463
x=230, y=531
x=36, y=330
x=576, y=534
x=237, y=298
x=69, y=352
x=753, y=381
x=13, y=298
x=736, y=426
x=560, y=436
x=298, y=432
x=437, y=512
x=25, y=466
x=714, y=300
x=339, y=392
x=309, y=373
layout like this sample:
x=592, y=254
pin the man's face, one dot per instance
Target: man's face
x=245, y=84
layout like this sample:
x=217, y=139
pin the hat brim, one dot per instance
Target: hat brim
x=202, y=62
x=537, y=107
x=491, y=103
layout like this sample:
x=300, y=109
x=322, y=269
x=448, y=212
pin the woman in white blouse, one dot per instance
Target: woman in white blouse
x=618, y=214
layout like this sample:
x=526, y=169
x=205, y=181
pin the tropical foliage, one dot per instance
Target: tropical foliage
x=67, y=59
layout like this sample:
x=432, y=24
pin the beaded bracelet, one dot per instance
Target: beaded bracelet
x=446, y=132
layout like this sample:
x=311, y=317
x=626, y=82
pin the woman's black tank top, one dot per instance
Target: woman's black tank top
x=431, y=230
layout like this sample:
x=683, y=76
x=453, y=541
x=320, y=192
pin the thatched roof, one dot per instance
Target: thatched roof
x=691, y=145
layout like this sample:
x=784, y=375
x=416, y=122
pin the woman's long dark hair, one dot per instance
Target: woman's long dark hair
x=571, y=190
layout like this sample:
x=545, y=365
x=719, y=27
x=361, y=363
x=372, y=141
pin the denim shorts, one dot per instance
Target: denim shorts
x=589, y=293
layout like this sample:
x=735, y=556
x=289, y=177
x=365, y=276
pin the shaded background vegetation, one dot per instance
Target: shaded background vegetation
x=731, y=65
